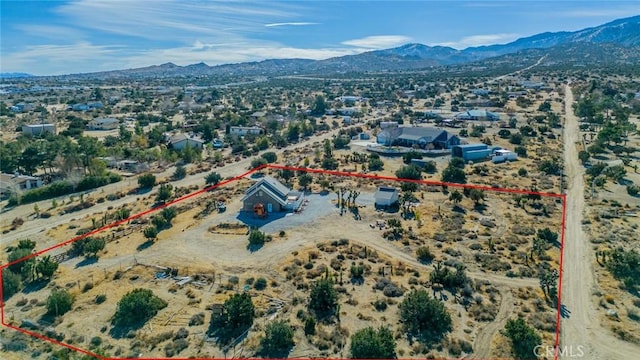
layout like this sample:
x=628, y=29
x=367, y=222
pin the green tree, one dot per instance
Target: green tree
x=616, y=172
x=46, y=267
x=477, y=196
x=286, y=174
x=547, y=235
x=93, y=246
x=11, y=283
x=369, y=343
x=424, y=317
x=305, y=180
x=270, y=157
x=137, y=306
x=319, y=106
x=146, y=181
x=151, y=232
x=278, y=340
x=27, y=244
x=549, y=167
x=257, y=237
x=453, y=174
x=257, y=162
x=212, y=178
x=164, y=193
x=180, y=173
x=168, y=214
x=455, y=197
x=309, y=325
x=59, y=302
x=375, y=163
x=584, y=156
x=323, y=298
x=236, y=316
x=523, y=338
x=406, y=158
x=17, y=254
x=409, y=172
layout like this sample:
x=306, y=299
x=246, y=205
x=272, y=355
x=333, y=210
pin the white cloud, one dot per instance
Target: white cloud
x=290, y=24
x=51, y=32
x=479, y=40
x=378, y=42
x=59, y=59
x=167, y=20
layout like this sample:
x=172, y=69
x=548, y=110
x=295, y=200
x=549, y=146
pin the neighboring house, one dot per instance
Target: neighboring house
x=349, y=98
x=386, y=196
x=269, y=195
x=350, y=111
x=478, y=103
x=516, y=94
x=258, y=115
x=103, y=124
x=481, y=92
x=527, y=84
x=78, y=107
x=481, y=115
x=10, y=184
x=244, y=130
x=38, y=129
x=22, y=107
x=181, y=141
x=422, y=137
x=95, y=105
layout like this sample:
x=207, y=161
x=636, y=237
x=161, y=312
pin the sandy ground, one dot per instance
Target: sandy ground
x=581, y=328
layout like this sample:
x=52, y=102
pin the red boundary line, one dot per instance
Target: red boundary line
x=308, y=170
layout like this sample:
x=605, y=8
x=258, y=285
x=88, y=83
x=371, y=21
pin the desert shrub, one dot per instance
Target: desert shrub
x=11, y=283
x=523, y=338
x=146, y=181
x=278, y=339
x=257, y=237
x=380, y=305
x=59, y=302
x=100, y=299
x=260, y=284
x=197, y=319
x=371, y=343
x=424, y=254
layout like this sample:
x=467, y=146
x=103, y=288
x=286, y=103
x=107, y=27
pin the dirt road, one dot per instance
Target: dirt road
x=482, y=343
x=582, y=327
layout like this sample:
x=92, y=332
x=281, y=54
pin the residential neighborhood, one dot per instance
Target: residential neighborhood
x=370, y=198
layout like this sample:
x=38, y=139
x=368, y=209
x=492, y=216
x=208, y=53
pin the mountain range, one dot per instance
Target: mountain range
x=602, y=42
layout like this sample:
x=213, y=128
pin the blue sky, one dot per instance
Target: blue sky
x=61, y=37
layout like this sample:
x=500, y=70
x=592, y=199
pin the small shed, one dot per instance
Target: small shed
x=386, y=196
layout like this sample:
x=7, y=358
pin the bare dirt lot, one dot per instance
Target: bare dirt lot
x=491, y=239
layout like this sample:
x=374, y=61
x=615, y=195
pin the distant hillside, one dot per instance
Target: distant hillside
x=594, y=45
x=13, y=75
x=622, y=32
